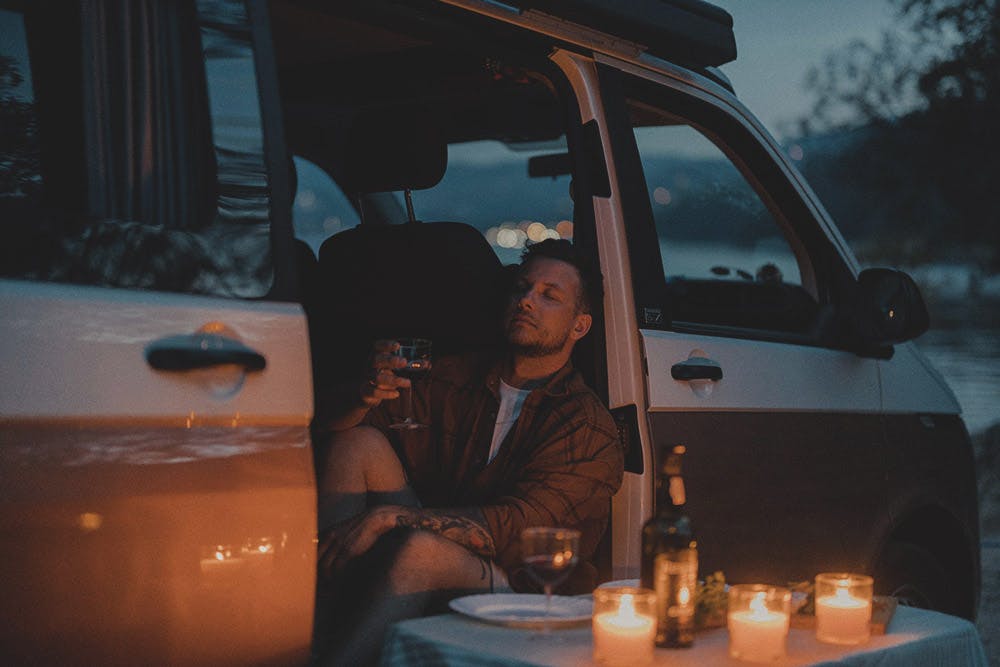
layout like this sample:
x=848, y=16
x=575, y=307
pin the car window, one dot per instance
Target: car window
x=488, y=185
x=321, y=209
x=152, y=175
x=727, y=259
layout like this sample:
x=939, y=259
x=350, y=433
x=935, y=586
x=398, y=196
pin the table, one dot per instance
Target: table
x=915, y=637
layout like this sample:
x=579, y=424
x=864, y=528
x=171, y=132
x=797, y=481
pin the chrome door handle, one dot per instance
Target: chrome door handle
x=201, y=350
x=696, y=368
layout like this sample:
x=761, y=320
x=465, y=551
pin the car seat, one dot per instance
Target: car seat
x=436, y=280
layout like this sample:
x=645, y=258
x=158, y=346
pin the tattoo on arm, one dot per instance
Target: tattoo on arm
x=462, y=530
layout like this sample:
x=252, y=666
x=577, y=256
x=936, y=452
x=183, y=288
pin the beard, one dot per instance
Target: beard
x=534, y=342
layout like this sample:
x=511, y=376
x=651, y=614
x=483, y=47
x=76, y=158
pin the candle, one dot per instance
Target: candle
x=843, y=616
x=623, y=635
x=757, y=633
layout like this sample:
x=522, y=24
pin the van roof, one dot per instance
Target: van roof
x=693, y=33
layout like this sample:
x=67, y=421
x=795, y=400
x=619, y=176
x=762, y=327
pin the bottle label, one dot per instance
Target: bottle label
x=676, y=579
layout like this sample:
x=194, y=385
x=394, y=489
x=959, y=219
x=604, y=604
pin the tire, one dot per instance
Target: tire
x=916, y=577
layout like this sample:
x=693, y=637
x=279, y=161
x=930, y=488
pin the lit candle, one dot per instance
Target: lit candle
x=624, y=636
x=843, y=618
x=758, y=633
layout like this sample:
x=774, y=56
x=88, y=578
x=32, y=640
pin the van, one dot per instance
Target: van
x=211, y=207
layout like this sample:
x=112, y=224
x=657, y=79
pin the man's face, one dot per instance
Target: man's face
x=543, y=315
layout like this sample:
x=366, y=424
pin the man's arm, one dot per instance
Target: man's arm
x=465, y=526
x=347, y=406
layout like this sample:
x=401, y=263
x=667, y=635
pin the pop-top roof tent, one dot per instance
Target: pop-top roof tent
x=689, y=32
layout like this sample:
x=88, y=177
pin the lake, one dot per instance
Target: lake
x=967, y=354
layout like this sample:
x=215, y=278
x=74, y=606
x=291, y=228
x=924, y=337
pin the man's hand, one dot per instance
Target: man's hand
x=356, y=536
x=383, y=383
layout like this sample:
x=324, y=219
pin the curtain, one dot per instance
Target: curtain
x=149, y=144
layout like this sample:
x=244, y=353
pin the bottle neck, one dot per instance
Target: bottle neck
x=670, y=496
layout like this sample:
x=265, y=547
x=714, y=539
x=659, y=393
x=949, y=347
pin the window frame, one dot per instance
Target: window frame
x=824, y=272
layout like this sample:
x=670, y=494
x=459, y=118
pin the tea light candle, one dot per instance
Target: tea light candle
x=843, y=608
x=756, y=632
x=623, y=635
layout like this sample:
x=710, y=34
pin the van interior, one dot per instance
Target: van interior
x=425, y=158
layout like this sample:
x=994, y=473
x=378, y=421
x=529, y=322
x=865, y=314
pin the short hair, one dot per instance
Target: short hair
x=591, y=280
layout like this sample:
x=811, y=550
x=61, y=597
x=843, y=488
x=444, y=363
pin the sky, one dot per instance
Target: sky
x=777, y=41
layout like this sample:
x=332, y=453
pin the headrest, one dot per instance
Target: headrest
x=437, y=280
x=394, y=149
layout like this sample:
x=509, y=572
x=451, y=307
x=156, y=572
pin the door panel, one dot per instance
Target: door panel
x=782, y=470
x=760, y=375
x=167, y=515
x=733, y=279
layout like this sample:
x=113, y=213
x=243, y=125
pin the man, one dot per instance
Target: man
x=416, y=517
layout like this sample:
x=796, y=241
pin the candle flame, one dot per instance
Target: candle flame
x=758, y=606
x=626, y=607
x=842, y=593
x=558, y=559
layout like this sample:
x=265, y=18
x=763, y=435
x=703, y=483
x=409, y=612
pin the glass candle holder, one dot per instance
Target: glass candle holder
x=843, y=607
x=758, y=618
x=624, y=625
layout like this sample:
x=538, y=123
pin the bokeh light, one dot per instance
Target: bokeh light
x=306, y=200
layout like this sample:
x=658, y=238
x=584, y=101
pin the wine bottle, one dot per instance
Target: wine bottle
x=670, y=557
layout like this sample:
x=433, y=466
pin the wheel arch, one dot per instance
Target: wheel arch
x=939, y=532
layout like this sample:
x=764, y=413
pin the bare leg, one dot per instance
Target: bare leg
x=423, y=569
x=361, y=470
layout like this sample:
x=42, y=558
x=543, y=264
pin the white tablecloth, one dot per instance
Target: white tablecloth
x=915, y=638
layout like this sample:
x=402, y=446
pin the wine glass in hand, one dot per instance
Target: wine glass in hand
x=549, y=554
x=417, y=352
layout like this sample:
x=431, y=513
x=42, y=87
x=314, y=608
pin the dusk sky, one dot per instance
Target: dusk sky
x=777, y=41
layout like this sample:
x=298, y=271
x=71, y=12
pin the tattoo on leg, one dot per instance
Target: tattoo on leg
x=458, y=529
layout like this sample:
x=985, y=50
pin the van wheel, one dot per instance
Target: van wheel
x=916, y=577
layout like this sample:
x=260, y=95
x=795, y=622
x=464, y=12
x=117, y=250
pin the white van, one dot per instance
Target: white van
x=192, y=196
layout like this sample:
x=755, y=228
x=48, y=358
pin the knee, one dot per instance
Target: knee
x=359, y=448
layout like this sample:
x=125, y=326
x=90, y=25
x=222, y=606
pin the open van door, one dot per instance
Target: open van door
x=158, y=502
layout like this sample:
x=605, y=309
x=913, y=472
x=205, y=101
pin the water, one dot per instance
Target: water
x=968, y=356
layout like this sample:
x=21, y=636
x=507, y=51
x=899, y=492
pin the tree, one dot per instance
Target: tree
x=929, y=98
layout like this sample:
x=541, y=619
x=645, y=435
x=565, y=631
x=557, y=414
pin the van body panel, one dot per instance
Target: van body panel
x=164, y=514
x=85, y=350
x=759, y=376
x=758, y=482
x=911, y=385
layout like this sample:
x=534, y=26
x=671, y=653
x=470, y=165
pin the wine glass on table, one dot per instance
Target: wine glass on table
x=417, y=352
x=549, y=554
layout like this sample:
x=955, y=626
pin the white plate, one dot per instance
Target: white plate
x=524, y=610
x=621, y=583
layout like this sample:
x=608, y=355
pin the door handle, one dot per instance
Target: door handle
x=187, y=352
x=696, y=368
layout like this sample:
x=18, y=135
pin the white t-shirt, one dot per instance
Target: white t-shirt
x=511, y=400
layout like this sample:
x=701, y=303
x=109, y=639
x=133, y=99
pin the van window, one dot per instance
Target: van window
x=152, y=175
x=488, y=186
x=321, y=209
x=727, y=259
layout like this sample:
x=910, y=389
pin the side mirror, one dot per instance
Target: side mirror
x=887, y=309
